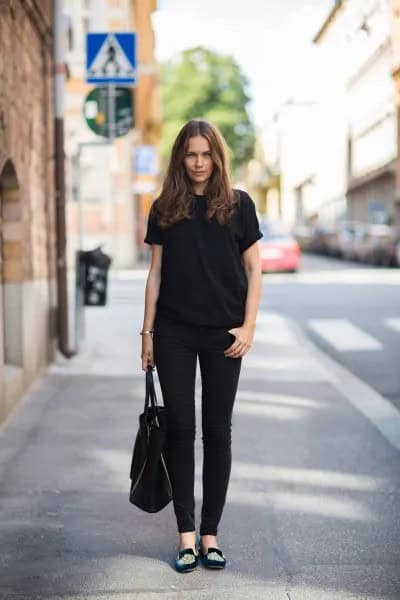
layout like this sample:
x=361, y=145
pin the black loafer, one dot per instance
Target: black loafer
x=186, y=560
x=213, y=558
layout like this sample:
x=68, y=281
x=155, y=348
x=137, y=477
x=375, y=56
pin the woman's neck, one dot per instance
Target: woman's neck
x=199, y=188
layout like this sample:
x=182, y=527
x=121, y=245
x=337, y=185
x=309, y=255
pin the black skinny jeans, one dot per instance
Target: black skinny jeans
x=176, y=348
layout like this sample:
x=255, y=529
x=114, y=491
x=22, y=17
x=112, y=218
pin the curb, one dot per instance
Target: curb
x=376, y=408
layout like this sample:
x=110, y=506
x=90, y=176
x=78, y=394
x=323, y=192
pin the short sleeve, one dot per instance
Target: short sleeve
x=249, y=221
x=154, y=234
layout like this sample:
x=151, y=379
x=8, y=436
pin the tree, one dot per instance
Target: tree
x=200, y=83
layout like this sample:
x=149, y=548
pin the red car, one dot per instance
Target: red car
x=279, y=250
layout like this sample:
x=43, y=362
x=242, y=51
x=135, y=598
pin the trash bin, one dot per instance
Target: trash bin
x=93, y=276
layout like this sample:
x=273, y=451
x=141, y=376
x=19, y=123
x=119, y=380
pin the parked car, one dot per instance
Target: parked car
x=360, y=243
x=374, y=243
x=346, y=237
x=303, y=234
x=320, y=241
x=332, y=235
x=397, y=253
x=278, y=248
x=383, y=241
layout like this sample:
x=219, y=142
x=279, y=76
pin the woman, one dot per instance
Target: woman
x=202, y=297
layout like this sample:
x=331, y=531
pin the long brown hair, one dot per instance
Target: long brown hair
x=172, y=204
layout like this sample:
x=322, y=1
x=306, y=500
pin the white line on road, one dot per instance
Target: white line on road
x=272, y=328
x=327, y=277
x=379, y=411
x=343, y=335
x=325, y=478
x=285, y=368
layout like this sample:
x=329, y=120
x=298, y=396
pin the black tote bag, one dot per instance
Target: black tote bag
x=150, y=483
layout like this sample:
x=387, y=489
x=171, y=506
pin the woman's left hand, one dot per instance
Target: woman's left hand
x=244, y=339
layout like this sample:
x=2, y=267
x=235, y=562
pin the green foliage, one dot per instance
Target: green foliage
x=203, y=84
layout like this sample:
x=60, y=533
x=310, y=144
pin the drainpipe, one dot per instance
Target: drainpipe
x=59, y=86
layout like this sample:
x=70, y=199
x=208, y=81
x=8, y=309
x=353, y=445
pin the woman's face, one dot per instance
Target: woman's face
x=198, y=162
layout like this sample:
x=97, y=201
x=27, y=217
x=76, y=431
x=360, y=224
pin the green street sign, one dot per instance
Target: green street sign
x=108, y=111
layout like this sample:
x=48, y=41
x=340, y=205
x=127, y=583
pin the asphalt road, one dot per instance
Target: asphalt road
x=351, y=311
x=312, y=511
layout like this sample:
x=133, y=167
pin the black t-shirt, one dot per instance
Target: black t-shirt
x=203, y=281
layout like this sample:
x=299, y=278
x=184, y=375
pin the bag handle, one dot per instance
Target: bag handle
x=150, y=397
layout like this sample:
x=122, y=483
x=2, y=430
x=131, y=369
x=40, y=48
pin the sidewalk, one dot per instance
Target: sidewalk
x=313, y=507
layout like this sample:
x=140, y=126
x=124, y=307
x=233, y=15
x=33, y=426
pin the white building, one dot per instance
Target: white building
x=355, y=44
x=337, y=153
x=295, y=147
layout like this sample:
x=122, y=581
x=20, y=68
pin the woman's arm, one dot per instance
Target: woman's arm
x=151, y=296
x=245, y=333
x=252, y=266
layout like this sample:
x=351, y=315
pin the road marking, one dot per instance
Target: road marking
x=343, y=335
x=284, y=368
x=280, y=399
x=275, y=413
x=324, y=478
x=273, y=329
x=327, y=277
x=392, y=323
x=377, y=409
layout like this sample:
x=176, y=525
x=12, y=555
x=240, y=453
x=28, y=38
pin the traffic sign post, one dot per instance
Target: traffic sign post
x=108, y=111
x=111, y=111
x=110, y=60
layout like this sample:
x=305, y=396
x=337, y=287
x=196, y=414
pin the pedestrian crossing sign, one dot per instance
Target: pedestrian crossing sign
x=111, y=58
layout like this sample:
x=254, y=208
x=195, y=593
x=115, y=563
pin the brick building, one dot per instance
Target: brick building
x=27, y=219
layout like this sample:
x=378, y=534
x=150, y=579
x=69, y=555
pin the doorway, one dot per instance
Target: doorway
x=12, y=267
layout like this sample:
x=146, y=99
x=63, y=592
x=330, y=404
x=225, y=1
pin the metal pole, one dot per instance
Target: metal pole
x=111, y=97
x=80, y=201
x=59, y=83
x=79, y=307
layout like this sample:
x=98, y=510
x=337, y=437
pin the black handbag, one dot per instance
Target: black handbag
x=150, y=483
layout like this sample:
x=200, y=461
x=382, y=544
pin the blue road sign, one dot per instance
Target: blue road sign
x=111, y=58
x=146, y=160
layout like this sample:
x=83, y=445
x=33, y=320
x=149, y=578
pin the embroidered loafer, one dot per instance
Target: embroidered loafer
x=186, y=560
x=213, y=558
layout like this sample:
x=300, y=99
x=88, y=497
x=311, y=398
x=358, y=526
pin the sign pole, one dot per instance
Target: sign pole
x=111, y=111
x=111, y=60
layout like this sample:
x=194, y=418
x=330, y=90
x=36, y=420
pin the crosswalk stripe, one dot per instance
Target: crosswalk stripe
x=343, y=335
x=392, y=323
x=273, y=329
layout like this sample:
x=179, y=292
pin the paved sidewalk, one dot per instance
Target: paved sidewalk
x=313, y=507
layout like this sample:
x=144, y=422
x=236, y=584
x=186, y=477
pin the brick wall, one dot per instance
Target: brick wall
x=26, y=136
x=27, y=213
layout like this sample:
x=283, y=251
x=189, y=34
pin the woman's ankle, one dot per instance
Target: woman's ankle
x=208, y=540
x=187, y=539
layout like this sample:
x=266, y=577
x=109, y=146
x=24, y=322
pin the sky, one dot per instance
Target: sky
x=270, y=39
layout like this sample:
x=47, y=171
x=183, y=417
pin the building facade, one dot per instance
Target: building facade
x=337, y=152
x=396, y=79
x=101, y=174
x=358, y=36
x=295, y=132
x=27, y=215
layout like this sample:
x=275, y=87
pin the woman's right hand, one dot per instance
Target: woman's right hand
x=147, y=351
